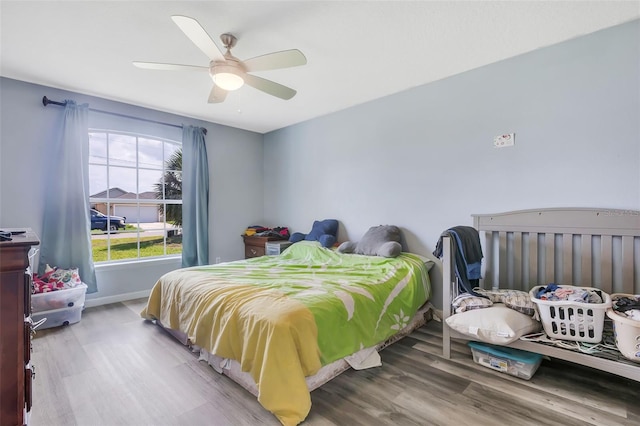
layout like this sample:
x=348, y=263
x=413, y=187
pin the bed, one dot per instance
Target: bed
x=283, y=325
x=587, y=247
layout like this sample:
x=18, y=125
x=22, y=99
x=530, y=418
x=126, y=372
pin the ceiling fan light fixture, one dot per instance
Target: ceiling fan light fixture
x=228, y=81
x=226, y=77
x=228, y=72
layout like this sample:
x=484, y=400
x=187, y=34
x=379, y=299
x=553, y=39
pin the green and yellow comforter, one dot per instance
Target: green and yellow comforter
x=284, y=317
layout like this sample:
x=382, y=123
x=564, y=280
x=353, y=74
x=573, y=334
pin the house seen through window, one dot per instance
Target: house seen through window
x=135, y=185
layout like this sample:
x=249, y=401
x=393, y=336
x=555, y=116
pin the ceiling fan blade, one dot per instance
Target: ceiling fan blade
x=192, y=29
x=217, y=95
x=168, y=67
x=276, y=60
x=270, y=87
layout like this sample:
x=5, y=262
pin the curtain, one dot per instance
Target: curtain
x=195, y=198
x=66, y=234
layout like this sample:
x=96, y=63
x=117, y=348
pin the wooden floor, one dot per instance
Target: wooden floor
x=112, y=368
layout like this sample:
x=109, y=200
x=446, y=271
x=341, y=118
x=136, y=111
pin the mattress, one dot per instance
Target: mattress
x=283, y=318
x=361, y=360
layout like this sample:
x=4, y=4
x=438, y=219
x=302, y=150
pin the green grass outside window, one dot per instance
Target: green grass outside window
x=127, y=248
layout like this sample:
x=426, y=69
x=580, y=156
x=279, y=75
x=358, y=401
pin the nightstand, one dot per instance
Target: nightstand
x=256, y=246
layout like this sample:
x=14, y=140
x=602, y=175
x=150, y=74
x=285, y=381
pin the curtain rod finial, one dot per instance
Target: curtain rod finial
x=46, y=101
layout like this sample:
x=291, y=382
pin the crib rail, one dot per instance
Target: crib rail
x=586, y=247
x=589, y=247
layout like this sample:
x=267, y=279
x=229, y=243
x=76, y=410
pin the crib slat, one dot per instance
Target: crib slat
x=502, y=259
x=517, y=261
x=606, y=255
x=549, y=250
x=567, y=258
x=488, y=277
x=533, y=259
x=585, y=264
x=627, y=262
x=448, y=277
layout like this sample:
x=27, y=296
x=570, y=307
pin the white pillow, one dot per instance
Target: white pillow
x=497, y=324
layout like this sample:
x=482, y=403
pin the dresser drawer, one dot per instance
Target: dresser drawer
x=253, y=251
x=254, y=246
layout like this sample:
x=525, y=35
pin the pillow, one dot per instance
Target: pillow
x=498, y=324
x=322, y=227
x=514, y=299
x=467, y=302
x=383, y=240
x=347, y=247
x=521, y=302
x=324, y=231
x=389, y=249
x=427, y=261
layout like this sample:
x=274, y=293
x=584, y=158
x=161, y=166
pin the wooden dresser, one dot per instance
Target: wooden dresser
x=255, y=246
x=16, y=371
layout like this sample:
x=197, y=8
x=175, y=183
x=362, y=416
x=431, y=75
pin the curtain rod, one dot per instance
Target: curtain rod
x=46, y=101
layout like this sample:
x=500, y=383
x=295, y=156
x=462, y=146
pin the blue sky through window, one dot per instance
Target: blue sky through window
x=129, y=162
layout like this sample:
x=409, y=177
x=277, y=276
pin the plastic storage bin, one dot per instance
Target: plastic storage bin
x=569, y=320
x=515, y=362
x=274, y=248
x=67, y=298
x=626, y=330
x=58, y=317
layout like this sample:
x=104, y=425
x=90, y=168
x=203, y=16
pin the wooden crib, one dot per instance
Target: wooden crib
x=588, y=247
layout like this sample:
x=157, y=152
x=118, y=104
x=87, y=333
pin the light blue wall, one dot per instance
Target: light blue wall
x=235, y=160
x=421, y=159
x=424, y=160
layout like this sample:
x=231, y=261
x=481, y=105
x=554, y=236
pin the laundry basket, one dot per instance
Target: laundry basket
x=627, y=331
x=569, y=320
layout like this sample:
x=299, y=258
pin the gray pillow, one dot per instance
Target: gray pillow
x=347, y=247
x=383, y=240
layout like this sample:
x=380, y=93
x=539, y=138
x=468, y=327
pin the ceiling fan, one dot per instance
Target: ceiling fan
x=228, y=72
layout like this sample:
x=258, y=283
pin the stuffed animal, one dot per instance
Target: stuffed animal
x=383, y=240
x=324, y=231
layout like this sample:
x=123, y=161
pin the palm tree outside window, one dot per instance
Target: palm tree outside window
x=135, y=186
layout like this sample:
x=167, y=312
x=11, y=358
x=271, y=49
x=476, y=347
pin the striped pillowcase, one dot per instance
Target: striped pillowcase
x=466, y=302
x=515, y=299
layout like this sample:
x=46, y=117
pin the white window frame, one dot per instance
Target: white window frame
x=108, y=201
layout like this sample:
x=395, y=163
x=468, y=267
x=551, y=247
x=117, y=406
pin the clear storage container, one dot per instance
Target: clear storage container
x=512, y=361
x=58, y=317
x=66, y=298
x=274, y=248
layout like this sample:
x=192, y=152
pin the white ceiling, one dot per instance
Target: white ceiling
x=356, y=51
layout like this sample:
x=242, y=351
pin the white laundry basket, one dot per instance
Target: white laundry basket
x=627, y=331
x=569, y=320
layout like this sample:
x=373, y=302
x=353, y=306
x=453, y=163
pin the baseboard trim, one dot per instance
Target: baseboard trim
x=99, y=301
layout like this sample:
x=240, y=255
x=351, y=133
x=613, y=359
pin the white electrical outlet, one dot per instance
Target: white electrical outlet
x=218, y=259
x=504, y=140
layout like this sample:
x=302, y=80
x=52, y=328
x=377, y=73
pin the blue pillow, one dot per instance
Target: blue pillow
x=324, y=231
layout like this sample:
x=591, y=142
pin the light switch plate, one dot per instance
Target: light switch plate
x=504, y=140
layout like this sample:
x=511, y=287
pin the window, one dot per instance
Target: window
x=135, y=185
